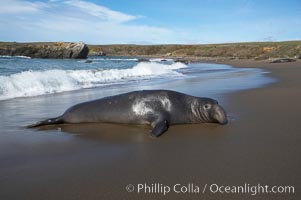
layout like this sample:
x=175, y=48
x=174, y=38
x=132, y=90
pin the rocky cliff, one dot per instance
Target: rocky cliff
x=45, y=50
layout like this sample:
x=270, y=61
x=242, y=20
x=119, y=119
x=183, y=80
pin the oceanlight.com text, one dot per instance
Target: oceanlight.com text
x=192, y=188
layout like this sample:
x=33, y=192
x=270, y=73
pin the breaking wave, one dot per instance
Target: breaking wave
x=33, y=83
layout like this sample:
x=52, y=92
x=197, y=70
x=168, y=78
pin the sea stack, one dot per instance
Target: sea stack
x=46, y=50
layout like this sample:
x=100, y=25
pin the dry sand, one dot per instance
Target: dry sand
x=260, y=145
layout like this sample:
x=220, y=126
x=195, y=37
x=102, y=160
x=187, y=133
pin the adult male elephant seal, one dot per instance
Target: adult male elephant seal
x=159, y=108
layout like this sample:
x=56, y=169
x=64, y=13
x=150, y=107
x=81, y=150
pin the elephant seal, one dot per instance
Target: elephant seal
x=159, y=108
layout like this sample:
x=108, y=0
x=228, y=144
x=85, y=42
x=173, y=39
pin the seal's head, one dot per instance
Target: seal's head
x=211, y=111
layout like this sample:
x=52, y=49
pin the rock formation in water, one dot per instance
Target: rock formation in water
x=46, y=50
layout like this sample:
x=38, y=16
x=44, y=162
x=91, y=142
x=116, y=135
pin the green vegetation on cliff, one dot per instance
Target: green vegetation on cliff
x=256, y=50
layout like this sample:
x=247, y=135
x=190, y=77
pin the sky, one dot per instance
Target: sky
x=150, y=21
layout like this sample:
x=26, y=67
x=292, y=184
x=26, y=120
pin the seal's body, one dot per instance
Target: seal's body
x=159, y=108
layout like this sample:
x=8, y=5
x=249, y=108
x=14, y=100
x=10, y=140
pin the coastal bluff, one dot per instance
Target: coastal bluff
x=46, y=50
x=244, y=50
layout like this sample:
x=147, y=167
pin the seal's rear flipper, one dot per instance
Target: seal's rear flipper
x=57, y=120
x=159, y=128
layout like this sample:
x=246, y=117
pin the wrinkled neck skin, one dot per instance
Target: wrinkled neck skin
x=198, y=114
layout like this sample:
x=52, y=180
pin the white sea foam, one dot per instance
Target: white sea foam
x=160, y=59
x=33, y=83
x=109, y=59
x=117, y=59
x=4, y=56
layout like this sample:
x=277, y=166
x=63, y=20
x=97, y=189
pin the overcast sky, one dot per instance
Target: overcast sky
x=151, y=21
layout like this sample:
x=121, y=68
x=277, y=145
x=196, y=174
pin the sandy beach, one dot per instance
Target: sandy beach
x=260, y=145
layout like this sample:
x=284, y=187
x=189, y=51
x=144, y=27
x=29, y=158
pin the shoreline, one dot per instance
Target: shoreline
x=261, y=144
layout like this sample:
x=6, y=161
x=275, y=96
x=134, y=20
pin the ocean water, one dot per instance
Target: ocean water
x=25, y=77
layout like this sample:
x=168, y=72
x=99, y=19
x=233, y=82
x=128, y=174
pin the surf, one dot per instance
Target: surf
x=33, y=83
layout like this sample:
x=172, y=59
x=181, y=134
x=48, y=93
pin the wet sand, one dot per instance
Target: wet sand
x=261, y=144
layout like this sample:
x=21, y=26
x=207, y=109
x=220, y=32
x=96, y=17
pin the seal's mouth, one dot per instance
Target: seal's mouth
x=219, y=114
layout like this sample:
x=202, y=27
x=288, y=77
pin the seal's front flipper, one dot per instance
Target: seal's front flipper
x=159, y=128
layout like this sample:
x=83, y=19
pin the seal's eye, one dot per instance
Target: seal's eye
x=207, y=106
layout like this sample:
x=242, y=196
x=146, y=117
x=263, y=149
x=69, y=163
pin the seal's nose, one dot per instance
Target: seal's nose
x=219, y=114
